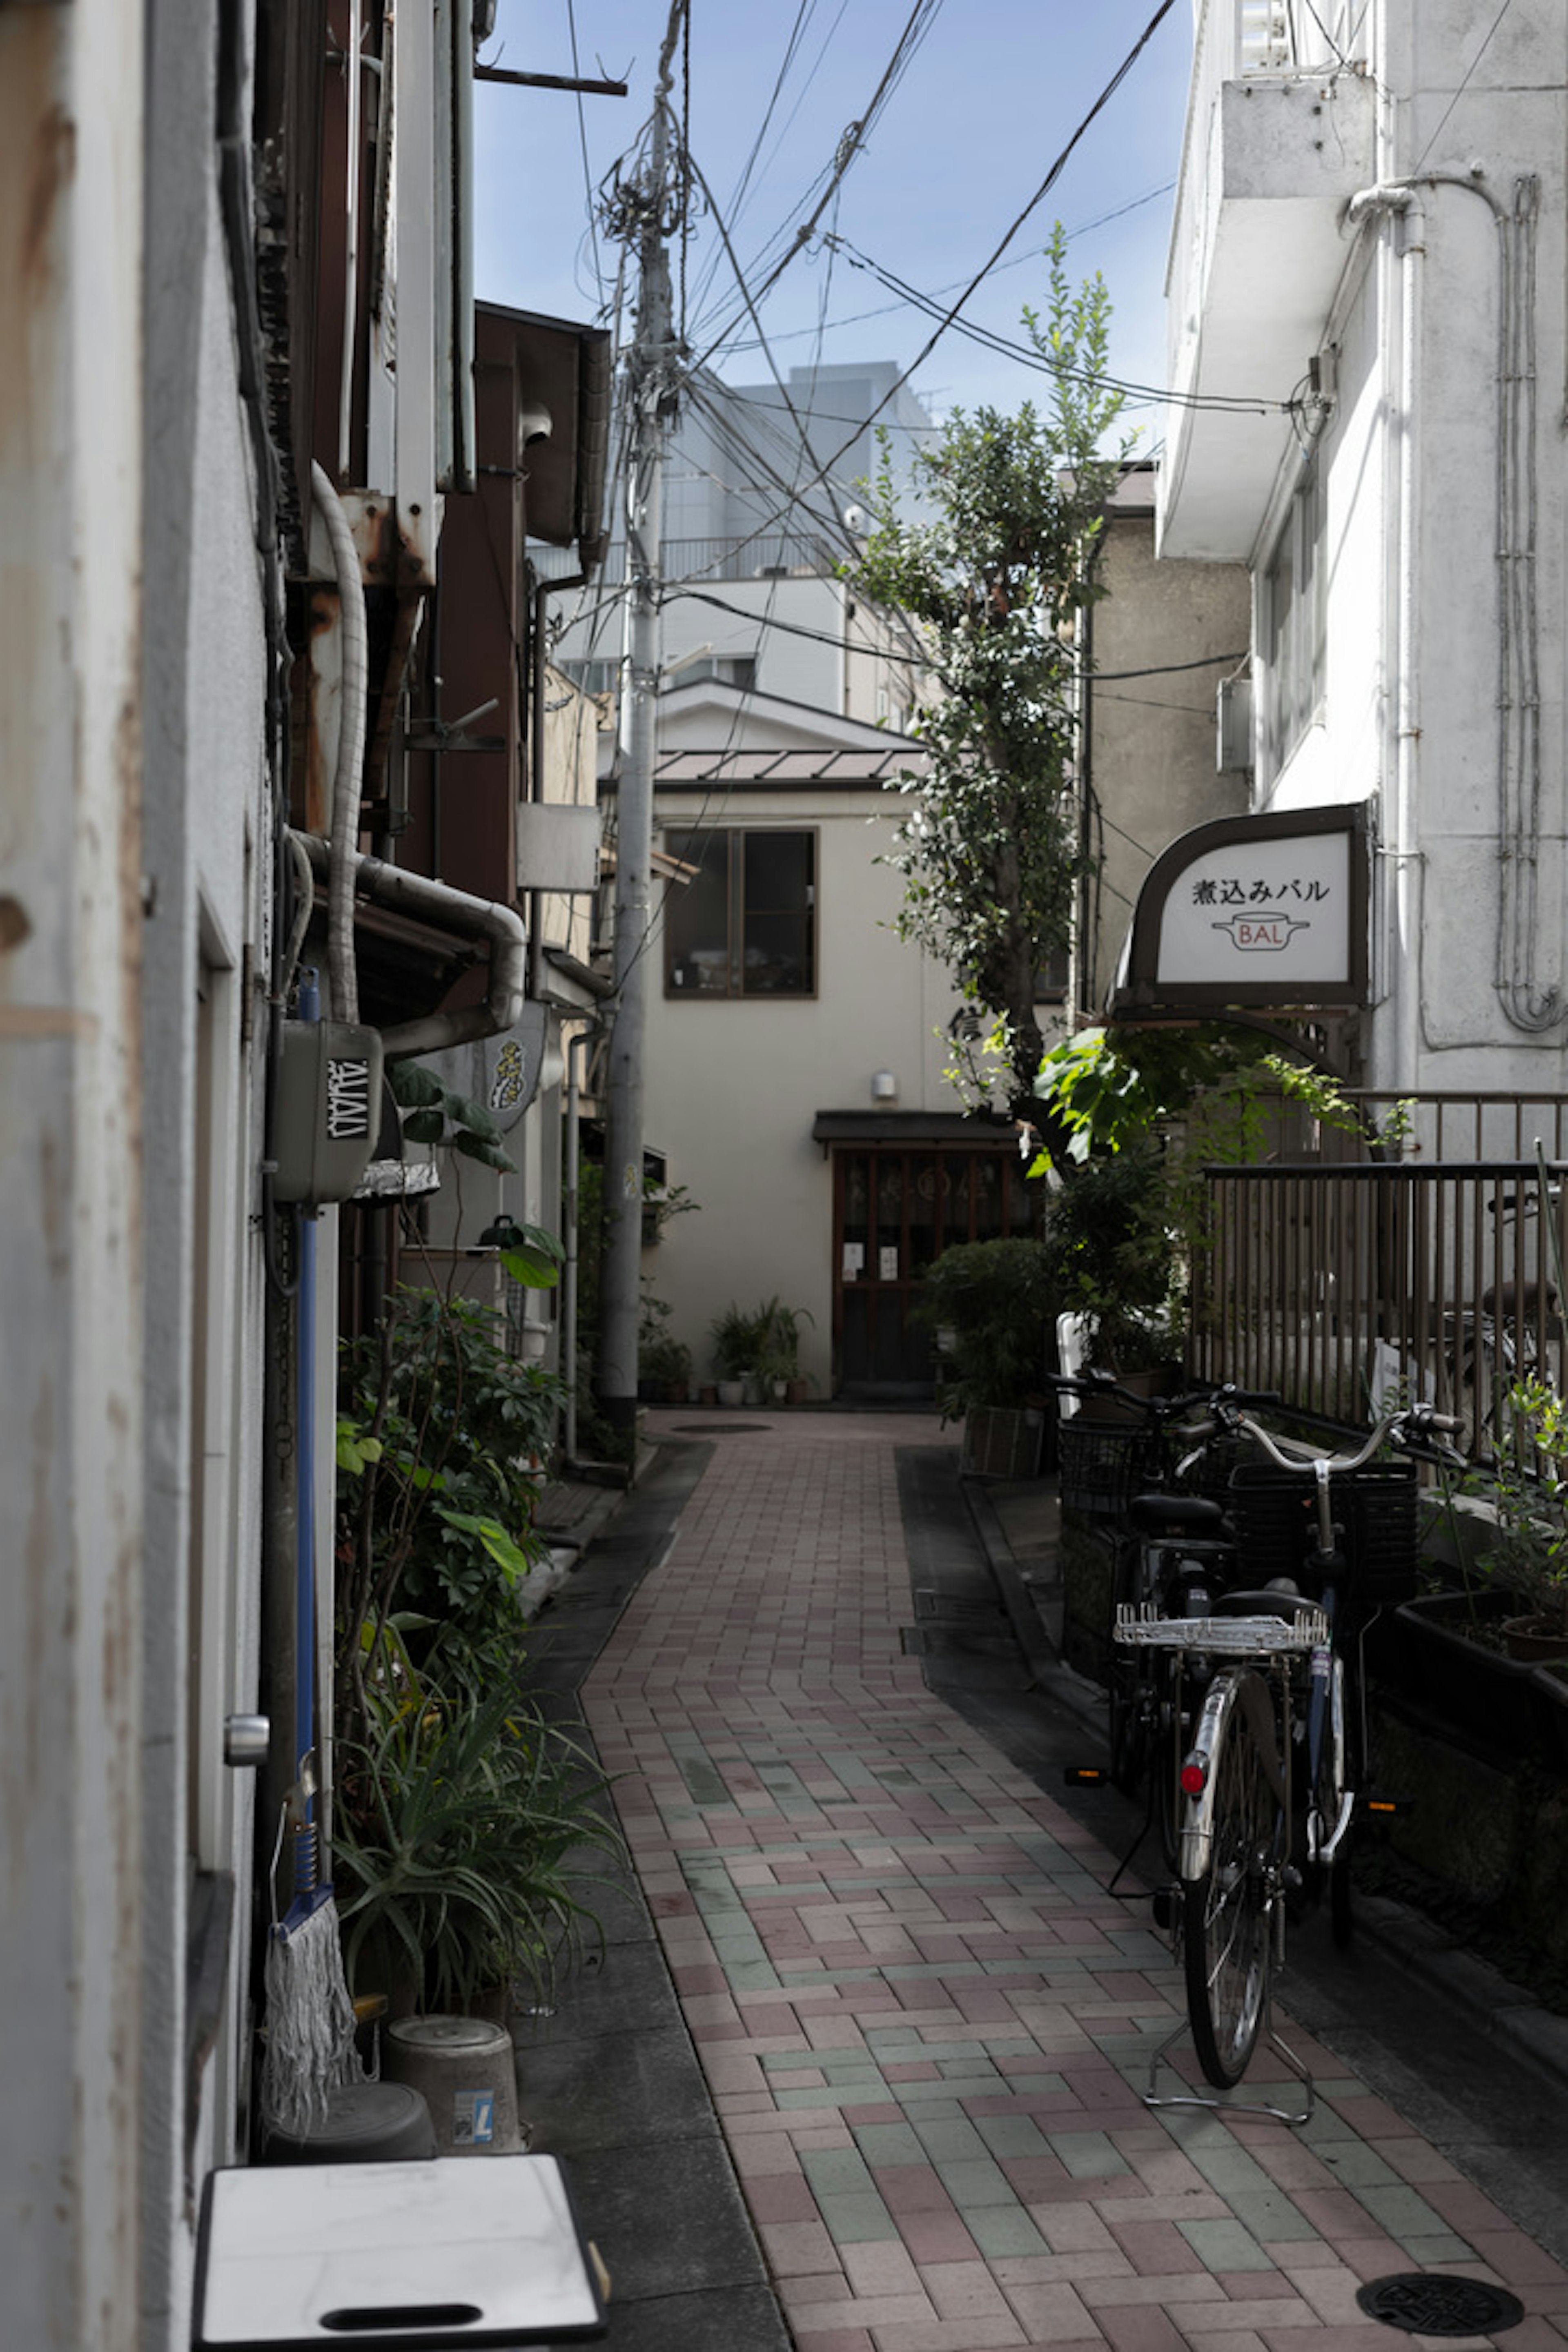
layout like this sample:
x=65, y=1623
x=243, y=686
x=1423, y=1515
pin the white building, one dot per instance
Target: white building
x=752, y=599
x=1366, y=310
x=797, y=1046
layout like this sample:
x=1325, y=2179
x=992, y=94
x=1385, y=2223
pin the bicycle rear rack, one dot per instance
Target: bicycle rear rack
x=1231, y=1637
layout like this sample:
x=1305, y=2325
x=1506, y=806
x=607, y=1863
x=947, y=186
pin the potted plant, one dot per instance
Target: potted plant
x=1468, y=1652
x=1528, y=1490
x=993, y=1301
x=461, y=1824
x=778, y=1353
x=664, y=1362
x=1114, y=1258
x=737, y=1344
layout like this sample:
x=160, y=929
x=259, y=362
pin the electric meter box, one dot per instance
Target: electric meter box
x=328, y=1109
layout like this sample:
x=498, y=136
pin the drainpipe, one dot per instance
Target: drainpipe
x=583, y=1037
x=1402, y=204
x=346, y=775
x=1528, y=1005
x=402, y=892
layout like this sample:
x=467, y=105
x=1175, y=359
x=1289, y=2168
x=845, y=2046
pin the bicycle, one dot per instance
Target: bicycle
x=1270, y=1780
x=1170, y=1547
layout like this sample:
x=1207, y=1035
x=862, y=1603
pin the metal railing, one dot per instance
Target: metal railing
x=1338, y=1281
x=1294, y=36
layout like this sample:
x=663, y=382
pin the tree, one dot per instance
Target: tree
x=994, y=575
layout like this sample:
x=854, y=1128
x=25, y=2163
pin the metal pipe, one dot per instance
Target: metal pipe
x=402, y=892
x=351, y=239
x=351, y=747
x=568, y=1236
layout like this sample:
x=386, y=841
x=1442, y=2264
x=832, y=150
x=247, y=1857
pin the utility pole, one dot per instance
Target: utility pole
x=645, y=210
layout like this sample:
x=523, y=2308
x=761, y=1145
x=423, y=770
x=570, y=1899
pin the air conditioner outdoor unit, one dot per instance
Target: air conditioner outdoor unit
x=1234, y=714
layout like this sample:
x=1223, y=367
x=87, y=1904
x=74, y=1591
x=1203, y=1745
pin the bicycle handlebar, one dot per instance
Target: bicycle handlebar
x=1411, y=1427
x=1094, y=1383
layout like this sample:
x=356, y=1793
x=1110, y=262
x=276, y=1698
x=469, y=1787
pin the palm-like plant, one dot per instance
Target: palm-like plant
x=463, y=1820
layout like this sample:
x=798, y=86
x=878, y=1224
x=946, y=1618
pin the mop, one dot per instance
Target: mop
x=309, y=2016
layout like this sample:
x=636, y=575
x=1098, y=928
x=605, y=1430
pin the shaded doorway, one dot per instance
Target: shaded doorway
x=894, y=1211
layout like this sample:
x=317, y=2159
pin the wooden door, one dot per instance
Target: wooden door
x=894, y=1211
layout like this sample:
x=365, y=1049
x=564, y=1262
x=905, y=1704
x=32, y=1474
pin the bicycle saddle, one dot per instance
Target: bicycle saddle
x=1176, y=1515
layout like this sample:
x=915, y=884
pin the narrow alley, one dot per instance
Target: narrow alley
x=924, y=2024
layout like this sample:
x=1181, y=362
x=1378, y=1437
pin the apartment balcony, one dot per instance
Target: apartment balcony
x=1281, y=135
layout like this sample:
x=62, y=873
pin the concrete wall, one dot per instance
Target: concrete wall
x=1151, y=742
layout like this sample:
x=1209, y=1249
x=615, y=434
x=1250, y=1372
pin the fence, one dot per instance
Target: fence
x=1336, y=1284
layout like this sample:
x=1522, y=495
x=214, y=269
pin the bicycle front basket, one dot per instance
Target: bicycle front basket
x=1276, y=1523
x=1102, y=1465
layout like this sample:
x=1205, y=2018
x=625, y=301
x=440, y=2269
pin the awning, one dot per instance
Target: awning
x=915, y=1128
x=1252, y=913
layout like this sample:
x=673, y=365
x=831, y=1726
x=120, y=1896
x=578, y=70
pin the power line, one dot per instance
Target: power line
x=849, y=146
x=583, y=142
x=1229, y=403
x=1019, y=261
x=825, y=472
x=1465, y=83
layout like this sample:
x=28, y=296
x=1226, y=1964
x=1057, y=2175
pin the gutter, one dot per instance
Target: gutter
x=456, y=911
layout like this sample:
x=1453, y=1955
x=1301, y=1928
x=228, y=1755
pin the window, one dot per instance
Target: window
x=1293, y=627
x=592, y=676
x=726, y=669
x=745, y=925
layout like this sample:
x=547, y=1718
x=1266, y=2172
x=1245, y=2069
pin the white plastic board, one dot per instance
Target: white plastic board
x=434, y=2255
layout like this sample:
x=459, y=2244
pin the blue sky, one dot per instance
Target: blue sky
x=993, y=92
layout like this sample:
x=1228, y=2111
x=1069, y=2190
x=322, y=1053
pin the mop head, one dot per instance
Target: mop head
x=309, y=2019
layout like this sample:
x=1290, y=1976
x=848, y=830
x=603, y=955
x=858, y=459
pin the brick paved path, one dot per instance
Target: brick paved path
x=923, y=2022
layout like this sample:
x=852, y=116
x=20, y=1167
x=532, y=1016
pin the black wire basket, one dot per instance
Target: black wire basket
x=1101, y=1464
x=1275, y=1519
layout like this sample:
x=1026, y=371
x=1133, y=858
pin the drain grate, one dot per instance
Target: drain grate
x=960, y=1606
x=930, y=1641
x=1424, y=2302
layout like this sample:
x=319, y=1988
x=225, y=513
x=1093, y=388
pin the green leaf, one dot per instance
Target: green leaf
x=412, y=1084
x=475, y=1147
x=463, y=1112
x=424, y=1126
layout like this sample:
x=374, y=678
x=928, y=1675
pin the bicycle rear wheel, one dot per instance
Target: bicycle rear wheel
x=1233, y=1847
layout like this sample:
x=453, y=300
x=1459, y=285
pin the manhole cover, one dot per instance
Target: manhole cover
x=1426, y=2304
x=723, y=1429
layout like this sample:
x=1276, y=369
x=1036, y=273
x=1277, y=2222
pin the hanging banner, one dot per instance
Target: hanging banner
x=512, y=1066
x=1252, y=912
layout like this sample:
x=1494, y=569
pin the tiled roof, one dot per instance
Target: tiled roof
x=855, y=767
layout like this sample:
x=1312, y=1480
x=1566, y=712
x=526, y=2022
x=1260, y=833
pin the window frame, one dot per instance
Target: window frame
x=1295, y=639
x=677, y=840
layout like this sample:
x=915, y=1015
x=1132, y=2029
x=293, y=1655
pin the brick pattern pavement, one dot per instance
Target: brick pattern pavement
x=924, y=2024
